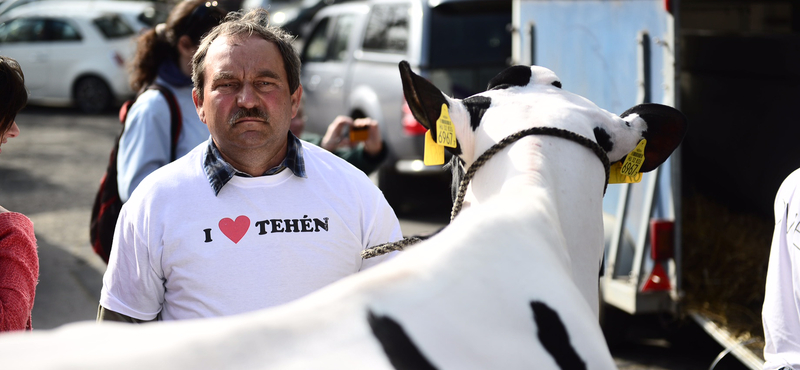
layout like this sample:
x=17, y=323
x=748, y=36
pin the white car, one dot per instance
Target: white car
x=74, y=53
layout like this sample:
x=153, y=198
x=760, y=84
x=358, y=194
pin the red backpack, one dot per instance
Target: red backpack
x=107, y=203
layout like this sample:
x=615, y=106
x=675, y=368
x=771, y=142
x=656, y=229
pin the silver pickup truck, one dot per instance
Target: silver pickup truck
x=350, y=66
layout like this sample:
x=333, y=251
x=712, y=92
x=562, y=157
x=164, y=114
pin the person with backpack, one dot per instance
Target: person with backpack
x=160, y=124
x=163, y=58
x=19, y=260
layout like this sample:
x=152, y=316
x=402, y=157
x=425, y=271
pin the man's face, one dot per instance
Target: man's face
x=247, y=104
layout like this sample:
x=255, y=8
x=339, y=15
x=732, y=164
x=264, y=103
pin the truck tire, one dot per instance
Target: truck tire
x=391, y=184
x=615, y=324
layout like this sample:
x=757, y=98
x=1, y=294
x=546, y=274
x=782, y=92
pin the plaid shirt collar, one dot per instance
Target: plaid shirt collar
x=219, y=172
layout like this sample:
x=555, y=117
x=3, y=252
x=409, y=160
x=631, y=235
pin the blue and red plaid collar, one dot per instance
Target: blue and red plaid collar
x=219, y=172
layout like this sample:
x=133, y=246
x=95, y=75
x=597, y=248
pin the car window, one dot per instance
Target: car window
x=23, y=30
x=341, y=34
x=153, y=16
x=112, y=27
x=59, y=30
x=317, y=45
x=471, y=38
x=387, y=29
x=468, y=45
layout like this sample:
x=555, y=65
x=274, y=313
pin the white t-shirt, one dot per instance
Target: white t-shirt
x=781, y=311
x=186, y=253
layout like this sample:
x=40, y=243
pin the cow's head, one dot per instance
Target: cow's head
x=522, y=97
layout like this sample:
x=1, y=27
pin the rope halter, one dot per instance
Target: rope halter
x=482, y=159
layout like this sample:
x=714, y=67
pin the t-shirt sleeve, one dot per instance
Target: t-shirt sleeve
x=19, y=271
x=780, y=317
x=133, y=284
x=384, y=227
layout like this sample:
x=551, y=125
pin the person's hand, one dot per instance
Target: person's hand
x=374, y=143
x=333, y=138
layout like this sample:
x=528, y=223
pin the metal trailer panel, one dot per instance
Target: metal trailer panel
x=617, y=54
x=592, y=46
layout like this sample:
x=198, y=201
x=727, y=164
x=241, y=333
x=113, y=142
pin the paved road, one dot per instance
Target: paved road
x=51, y=172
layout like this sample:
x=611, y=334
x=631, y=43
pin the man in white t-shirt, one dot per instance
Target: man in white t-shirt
x=253, y=217
x=781, y=311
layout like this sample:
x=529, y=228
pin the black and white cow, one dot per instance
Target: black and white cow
x=499, y=288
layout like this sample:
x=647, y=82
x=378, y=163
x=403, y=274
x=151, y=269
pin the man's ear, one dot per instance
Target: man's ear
x=297, y=98
x=666, y=127
x=424, y=99
x=198, y=105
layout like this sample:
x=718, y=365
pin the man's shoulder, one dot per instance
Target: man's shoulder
x=312, y=138
x=176, y=175
x=323, y=160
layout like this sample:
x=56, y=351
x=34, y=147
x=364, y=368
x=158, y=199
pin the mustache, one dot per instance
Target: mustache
x=248, y=113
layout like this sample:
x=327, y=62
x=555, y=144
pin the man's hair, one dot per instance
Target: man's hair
x=241, y=24
x=13, y=95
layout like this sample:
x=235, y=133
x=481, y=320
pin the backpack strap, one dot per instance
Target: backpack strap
x=176, y=120
x=175, y=117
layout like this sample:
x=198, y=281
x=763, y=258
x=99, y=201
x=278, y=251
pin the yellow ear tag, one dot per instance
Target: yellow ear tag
x=628, y=172
x=615, y=175
x=445, y=131
x=434, y=153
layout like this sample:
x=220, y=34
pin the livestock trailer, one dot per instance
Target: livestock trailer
x=691, y=240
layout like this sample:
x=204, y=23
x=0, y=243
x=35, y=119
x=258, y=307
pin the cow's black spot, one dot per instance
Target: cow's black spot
x=557, y=84
x=403, y=354
x=603, y=139
x=554, y=337
x=510, y=77
x=477, y=106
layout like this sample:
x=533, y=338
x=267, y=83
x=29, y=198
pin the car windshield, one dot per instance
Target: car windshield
x=469, y=45
x=112, y=27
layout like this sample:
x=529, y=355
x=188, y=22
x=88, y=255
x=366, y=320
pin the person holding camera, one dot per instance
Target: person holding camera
x=357, y=141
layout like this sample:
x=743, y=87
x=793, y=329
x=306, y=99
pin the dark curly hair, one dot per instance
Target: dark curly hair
x=13, y=96
x=192, y=18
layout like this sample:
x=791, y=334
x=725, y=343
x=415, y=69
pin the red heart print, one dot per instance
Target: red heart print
x=234, y=230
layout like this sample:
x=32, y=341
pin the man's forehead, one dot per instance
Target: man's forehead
x=231, y=43
x=229, y=55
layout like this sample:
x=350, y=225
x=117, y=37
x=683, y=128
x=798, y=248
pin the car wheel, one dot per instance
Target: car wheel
x=92, y=95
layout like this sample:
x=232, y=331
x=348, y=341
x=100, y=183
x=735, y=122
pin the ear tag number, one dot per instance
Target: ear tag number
x=628, y=171
x=434, y=153
x=615, y=175
x=634, y=160
x=445, y=131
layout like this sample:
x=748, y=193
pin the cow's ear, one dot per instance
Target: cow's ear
x=666, y=127
x=424, y=99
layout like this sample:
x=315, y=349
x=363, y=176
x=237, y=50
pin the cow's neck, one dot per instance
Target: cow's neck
x=573, y=177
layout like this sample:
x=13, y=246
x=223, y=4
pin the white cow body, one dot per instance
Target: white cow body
x=443, y=292
x=501, y=287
